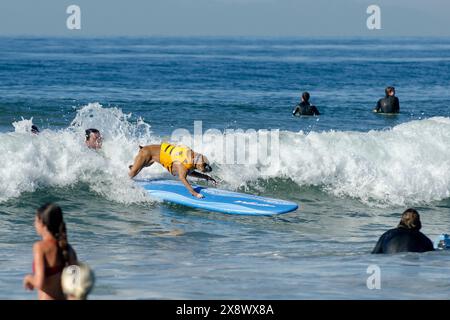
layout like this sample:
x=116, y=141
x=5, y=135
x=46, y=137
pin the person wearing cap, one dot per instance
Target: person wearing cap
x=94, y=139
x=304, y=108
x=77, y=281
x=406, y=237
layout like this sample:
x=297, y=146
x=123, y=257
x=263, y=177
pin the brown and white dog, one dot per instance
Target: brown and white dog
x=180, y=161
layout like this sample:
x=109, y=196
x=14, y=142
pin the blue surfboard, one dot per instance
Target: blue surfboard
x=216, y=199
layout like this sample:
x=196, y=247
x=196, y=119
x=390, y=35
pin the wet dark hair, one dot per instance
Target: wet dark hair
x=305, y=96
x=410, y=220
x=89, y=131
x=34, y=129
x=51, y=216
x=388, y=89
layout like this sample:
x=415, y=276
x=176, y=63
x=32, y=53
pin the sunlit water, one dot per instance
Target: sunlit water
x=352, y=172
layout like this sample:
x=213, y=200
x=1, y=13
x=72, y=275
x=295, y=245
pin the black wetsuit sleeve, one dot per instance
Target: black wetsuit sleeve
x=379, y=246
x=429, y=243
x=315, y=110
x=296, y=110
x=396, y=106
x=378, y=107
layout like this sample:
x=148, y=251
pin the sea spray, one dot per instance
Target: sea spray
x=406, y=165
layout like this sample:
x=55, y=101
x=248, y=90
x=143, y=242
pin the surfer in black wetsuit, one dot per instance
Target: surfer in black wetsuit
x=406, y=237
x=388, y=104
x=34, y=129
x=304, y=108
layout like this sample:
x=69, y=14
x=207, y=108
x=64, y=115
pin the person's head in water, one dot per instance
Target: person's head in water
x=93, y=139
x=34, y=129
x=410, y=220
x=390, y=91
x=77, y=281
x=305, y=96
x=49, y=219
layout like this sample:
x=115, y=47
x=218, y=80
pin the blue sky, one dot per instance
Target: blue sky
x=225, y=17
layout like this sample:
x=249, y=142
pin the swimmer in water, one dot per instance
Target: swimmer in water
x=406, y=237
x=94, y=139
x=34, y=129
x=50, y=255
x=304, y=108
x=388, y=104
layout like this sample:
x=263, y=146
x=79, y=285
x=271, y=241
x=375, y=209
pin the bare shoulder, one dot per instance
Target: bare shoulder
x=38, y=246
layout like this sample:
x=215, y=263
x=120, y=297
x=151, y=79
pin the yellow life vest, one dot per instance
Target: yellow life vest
x=170, y=153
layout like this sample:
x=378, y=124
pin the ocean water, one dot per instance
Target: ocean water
x=351, y=171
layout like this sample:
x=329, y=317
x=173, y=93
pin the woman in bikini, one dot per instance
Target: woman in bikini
x=51, y=254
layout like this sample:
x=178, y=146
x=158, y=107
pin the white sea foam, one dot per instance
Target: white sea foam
x=60, y=158
x=409, y=164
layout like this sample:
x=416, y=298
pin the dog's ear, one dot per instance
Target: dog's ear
x=140, y=147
